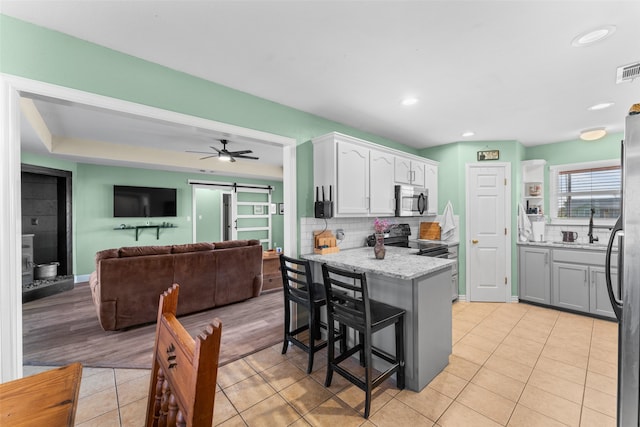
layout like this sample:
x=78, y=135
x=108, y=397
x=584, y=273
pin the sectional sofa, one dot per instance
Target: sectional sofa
x=128, y=281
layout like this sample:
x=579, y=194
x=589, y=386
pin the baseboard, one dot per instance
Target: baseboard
x=82, y=278
x=514, y=298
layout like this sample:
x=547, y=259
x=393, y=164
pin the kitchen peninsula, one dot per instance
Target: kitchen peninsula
x=420, y=285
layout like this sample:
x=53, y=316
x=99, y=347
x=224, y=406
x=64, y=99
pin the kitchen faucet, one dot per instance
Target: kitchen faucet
x=590, y=234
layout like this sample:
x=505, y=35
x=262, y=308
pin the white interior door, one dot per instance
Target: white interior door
x=488, y=257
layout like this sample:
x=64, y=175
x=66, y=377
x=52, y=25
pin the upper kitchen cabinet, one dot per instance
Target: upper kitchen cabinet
x=533, y=186
x=360, y=173
x=410, y=172
x=431, y=183
x=419, y=173
x=381, y=194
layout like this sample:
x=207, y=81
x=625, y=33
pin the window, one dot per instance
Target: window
x=577, y=188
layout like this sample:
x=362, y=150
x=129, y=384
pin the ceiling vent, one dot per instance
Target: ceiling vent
x=627, y=73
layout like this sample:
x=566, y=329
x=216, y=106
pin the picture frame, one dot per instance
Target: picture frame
x=281, y=208
x=488, y=155
x=258, y=210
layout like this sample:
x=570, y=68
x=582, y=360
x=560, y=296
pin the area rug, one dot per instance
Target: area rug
x=63, y=328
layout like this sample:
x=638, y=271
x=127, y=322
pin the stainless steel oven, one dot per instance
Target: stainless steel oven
x=434, y=250
x=411, y=201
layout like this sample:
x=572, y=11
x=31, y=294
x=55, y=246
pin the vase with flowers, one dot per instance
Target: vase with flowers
x=379, y=227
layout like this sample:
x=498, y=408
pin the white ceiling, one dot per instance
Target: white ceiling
x=504, y=70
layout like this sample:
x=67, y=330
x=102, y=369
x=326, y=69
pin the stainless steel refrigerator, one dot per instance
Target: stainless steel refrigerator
x=625, y=292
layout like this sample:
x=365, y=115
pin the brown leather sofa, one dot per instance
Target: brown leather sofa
x=127, y=283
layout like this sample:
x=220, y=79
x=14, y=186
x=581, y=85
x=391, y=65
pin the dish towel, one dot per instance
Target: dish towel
x=448, y=224
x=524, y=225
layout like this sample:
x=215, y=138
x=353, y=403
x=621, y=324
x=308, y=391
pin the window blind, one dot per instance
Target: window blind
x=579, y=190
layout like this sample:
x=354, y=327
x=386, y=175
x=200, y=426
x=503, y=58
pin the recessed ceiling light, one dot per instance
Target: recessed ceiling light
x=468, y=133
x=409, y=101
x=592, y=134
x=600, y=106
x=592, y=36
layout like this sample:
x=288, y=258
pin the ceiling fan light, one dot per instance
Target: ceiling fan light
x=224, y=158
x=592, y=134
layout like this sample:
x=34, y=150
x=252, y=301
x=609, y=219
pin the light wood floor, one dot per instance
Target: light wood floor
x=63, y=328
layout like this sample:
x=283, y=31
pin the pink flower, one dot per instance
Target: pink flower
x=381, y=225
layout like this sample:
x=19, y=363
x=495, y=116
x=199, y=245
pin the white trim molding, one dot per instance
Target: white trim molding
x=10, y=235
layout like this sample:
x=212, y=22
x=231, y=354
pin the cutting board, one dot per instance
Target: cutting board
x=430, y=230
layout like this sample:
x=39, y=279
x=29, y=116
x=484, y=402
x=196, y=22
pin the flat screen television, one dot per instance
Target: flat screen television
x=147, y=202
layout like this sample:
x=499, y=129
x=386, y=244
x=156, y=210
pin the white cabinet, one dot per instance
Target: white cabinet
x=534, y=274
x=360, y=175
x=381, y=191
x=352, y=180
x=431, y=183
x=408, y=171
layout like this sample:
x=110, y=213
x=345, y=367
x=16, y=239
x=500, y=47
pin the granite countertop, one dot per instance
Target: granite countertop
x=599, y=246
x=400, y=263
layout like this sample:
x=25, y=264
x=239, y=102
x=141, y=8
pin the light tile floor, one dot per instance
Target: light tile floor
x=512, y=365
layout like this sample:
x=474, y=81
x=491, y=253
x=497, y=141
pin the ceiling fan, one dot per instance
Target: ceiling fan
x=224, y=154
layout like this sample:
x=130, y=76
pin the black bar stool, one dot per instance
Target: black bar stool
x=348, y=304
x=299, y=288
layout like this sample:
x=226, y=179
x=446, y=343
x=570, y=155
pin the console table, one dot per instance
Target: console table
x=138, y=228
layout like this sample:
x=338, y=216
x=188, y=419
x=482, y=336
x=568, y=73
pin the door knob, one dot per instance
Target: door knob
x=474, y=241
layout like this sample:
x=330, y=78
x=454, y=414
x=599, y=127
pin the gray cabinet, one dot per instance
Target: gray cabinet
x=571, y=286
x=534, y=274
x=569, y=278
x=599, y=302
x=453, y=254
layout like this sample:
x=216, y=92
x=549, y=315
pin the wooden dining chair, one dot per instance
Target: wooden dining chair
x=49, y=398
x=183, y=377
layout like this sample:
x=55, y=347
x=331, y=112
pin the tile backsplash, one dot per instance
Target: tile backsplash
x=553, y=233
x=356, y=230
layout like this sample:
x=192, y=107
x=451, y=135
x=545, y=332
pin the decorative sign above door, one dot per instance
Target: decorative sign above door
x=489, y=155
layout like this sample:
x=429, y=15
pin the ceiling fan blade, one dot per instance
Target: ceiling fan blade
x=242, y=156
x=231, y=159
x=219, y=151
x=199, y=152
x=239, y=153
x=208, y=157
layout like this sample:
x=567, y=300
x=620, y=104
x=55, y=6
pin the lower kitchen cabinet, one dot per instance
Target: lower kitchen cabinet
x=571, y=286
x=534, y=274
x=599, y=302
x=573, y=279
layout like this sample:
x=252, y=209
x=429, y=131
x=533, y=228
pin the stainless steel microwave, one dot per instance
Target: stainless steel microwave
x=411, y=201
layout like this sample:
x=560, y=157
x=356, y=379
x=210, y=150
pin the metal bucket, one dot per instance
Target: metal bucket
x=46, y=271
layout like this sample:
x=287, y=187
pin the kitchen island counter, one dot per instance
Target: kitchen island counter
x=400, y=263
x=418, y=284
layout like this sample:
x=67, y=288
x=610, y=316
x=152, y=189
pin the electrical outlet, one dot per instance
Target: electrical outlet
x=339, y=234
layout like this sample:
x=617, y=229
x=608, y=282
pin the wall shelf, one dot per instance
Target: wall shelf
x=139, y=228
